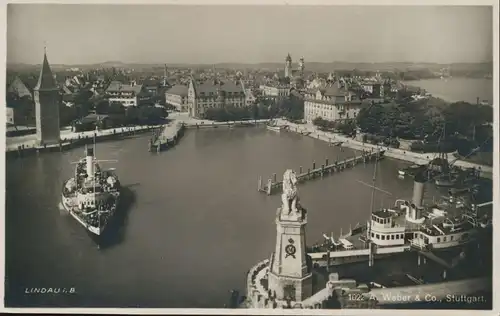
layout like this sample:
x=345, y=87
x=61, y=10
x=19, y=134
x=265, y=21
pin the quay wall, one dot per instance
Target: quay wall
x=75, y=139
x=413, y=157
x=212, y=124
x=255, y=297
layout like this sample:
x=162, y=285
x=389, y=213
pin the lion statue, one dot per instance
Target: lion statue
x=290, y=197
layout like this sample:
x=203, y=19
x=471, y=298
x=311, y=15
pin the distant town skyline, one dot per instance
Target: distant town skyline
x=173, y=34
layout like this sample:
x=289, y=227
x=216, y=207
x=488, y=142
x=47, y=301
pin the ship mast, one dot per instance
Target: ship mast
x=373, y=187
x=368, y=237
x=95, y=200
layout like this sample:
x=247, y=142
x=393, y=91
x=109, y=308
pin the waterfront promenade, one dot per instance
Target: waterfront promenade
x=418, y=158
x=29, y=141
x=67, y=135
x=188, y=121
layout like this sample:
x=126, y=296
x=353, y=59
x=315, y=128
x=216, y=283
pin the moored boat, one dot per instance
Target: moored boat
x=446, y=180
x=275, y=128
x=408, y=225
x=411, y=170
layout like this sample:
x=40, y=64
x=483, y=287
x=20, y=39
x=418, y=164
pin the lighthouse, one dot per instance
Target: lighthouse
x=290, y=276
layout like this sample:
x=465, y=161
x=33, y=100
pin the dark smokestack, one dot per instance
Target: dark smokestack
x=418, y=189
x=89, y=151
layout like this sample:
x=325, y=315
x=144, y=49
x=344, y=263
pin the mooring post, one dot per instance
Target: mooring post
x=274, y=177
x=370, y=258
x=269, y=186
x=300, y=170
x=326, y=162
x=314, y=165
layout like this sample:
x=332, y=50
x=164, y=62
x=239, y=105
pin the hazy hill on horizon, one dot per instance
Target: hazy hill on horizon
x=310, y=66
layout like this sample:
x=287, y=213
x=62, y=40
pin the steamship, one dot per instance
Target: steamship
x=407, y=225
x=91, y=197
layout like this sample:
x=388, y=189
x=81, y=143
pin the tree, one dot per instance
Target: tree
x=150, y=115
x=319, y=121
x=67, y=115
x=255, y=111
x=82, y=98
x=102, y=107
x=116, y=108
x=229, y=113
x=462, y=118
x=346, y=127
x=132, y=115
x=292, y=108
x=24, y=108
x=371, y=118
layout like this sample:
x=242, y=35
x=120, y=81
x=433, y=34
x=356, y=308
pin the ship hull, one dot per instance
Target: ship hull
x=274, y=128
x=72, y=210
x=97, y=231
x=390, y=251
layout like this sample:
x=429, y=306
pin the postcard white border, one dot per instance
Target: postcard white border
x=496, y=220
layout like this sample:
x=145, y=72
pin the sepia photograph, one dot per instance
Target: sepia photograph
x=217, y=157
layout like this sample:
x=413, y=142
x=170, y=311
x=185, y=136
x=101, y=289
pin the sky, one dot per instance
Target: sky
x=85, y=34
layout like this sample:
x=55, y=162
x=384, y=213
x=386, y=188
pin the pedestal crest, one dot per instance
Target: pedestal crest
x=289, y=275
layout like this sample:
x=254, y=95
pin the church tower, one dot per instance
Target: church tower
x=288, y=66
x=165, y=75
x=301, y=66
x=290, y=276
x=47, y=103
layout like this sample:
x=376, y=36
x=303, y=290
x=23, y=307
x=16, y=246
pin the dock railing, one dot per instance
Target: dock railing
x=273, y=185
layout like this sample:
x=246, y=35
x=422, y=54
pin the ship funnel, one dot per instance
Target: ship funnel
x=90, y=162
x=418, y=190
x=89, y=151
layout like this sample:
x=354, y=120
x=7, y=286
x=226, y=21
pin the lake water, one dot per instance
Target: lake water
x=194, y=227
x=457, y=89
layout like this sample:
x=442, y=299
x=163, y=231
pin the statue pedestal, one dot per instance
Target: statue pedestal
x=289, y=276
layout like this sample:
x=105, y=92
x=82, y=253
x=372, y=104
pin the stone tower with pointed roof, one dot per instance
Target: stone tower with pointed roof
x=47, y=102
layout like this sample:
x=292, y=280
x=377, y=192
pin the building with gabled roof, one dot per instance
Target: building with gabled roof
x=332, y=103
x=22, y=87
x=47, y=106
x=126, y=94
x=213, y=94
x=177, y=96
